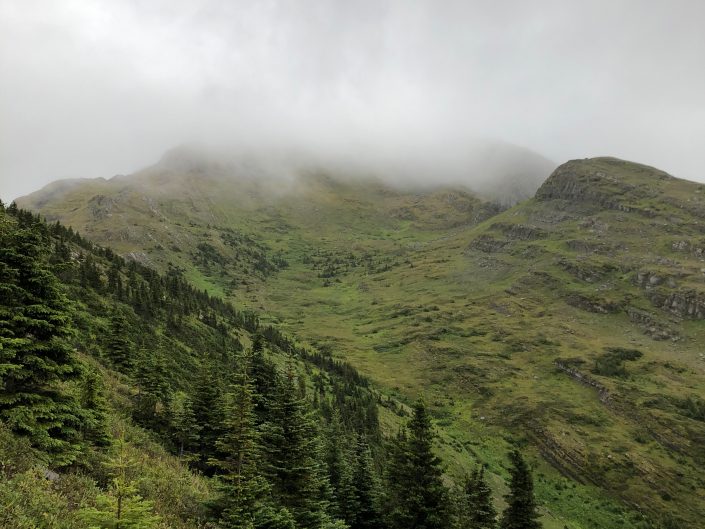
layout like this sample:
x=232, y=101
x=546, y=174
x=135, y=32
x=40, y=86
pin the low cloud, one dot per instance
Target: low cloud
x=98, y=88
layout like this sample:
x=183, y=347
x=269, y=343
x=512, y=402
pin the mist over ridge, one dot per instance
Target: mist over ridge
x=393, y=87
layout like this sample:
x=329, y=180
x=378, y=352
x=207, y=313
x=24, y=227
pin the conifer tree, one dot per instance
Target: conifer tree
x=521, y=511
x=119, y=348
x=154, y=391
x=121, y=507
x=417, y=497
x=484, y=514
x=35, y=354
x=244, y=501
x=207, y=412
x=94, y=403
x=293, y=456
x=367, y=514
x=264, y=379
x=185, y=430
x=340, y=473
x=475, y=509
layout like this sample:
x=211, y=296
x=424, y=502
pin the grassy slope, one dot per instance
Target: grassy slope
x=429, y=299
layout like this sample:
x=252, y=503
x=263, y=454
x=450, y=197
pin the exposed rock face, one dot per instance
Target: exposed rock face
x=588, y=272
x=696, y=248
x=569, y=367
x=650, y=325
x=596, y=305
x=101, y=206
x=488, y=244
x=688, y=304
x=598, y=189
x=520, y=232
x=571, y=182
x=648, y=279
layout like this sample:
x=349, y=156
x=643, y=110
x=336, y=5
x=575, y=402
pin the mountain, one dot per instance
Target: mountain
x=570, y=322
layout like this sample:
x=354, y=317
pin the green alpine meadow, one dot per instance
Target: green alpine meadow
x=192, y=348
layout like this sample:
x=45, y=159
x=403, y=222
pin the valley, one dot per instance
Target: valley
x=570, y=323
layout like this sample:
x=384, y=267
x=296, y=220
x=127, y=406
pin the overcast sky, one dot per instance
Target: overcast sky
x=95, y=88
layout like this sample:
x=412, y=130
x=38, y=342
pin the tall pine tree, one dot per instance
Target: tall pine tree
x=344, y=502
x=417, y=497
x=294, y=456
x=475, y=508
x=35, y=353
x=245, y=500
x=521, y=511
x=119, y=348
x=367, y=514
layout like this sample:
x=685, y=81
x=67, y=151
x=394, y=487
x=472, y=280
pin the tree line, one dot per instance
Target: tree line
x=289, y=436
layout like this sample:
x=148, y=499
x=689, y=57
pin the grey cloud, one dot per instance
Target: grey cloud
x=97, y=88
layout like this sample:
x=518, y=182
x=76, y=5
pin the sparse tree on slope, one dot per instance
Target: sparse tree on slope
x=521, y=511
x=475, y=509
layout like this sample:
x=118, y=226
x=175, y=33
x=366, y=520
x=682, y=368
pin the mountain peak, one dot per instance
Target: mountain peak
x=605, y=182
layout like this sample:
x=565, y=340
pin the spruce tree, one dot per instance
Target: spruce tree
x=207, y=413
x=264, y=379
x=484, y=514
x=344, y=502
x=475, y=509
x=94, y=403
x=293, y=456
x=119, y=348
x=367, y=514
x=521, y=511
x=121, y=507
x=418, y=499
x=244, y=493
x=184, y=428
x=151, y=406
x=35, y=353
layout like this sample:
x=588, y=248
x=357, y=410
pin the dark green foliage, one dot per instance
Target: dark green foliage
x=611, y=363
x=151, y=403
x=119, y=348
x=475, y=509
x=344, y=503
x=207, y=413
x=244, y=493
x=35, y=352
x=185, y=430
x=416, y=495
x=367, y=495
x=293, y=456
x=93, y=401
x=264, y=379
x=521, y=511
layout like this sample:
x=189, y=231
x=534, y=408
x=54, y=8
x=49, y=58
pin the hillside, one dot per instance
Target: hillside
x=570, y=322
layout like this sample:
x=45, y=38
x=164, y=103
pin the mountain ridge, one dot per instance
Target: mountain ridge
x=511, y=320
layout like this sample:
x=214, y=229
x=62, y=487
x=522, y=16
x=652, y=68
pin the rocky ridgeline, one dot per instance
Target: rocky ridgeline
x=598, y=184
x=651, y=325
x=520, y=232
x=694, y=248
x=570, y=368
x=572, y=182
x=688, y=304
